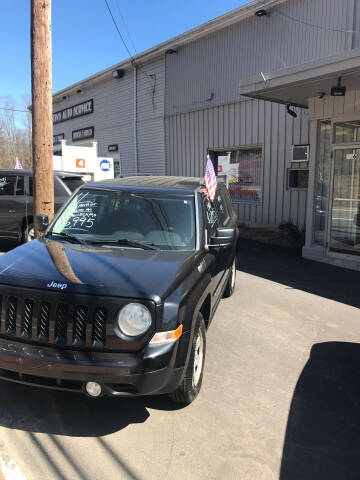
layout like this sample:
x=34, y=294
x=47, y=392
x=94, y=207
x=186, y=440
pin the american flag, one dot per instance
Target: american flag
x=209, y=180
x=18, y=164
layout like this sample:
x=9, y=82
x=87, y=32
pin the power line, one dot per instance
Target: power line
x=14, y=110
x=150, y=78
x=319, y=27
x=125, y=25
x=117, y=28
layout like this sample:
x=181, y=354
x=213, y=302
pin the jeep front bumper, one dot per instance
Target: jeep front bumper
x=151, y=371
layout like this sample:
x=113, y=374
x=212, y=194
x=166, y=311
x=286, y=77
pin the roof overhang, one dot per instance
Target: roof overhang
x=295, y=85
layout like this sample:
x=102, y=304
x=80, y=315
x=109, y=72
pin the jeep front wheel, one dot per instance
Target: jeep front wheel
x=230, y=286
x=190, y=386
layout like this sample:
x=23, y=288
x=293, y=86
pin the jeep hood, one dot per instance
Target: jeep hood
x=100, y=270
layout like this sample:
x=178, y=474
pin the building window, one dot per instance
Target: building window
x=298, y=178
x=298, y=173
x=241, y=169
x=347, y=132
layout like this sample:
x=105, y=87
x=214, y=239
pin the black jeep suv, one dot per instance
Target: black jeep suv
x=117, y=296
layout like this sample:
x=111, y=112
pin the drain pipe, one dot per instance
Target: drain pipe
x=135, y=121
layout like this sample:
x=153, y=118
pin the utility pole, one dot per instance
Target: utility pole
x=42, y=123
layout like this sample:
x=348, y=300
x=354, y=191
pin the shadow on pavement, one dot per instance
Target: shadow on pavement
x=286, y=266
x=74, y=414
x=322, y=440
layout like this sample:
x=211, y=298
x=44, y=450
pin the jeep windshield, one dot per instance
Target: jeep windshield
x=128, y=219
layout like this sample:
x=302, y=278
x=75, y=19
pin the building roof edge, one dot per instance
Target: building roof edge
x=229, y=18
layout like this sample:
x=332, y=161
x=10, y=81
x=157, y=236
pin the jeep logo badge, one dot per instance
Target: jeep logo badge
x=53, y=284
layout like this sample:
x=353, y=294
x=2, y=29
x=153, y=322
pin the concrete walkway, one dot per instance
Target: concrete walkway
x=246, y=424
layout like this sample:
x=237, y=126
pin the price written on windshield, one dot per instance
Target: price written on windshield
x=84, y=216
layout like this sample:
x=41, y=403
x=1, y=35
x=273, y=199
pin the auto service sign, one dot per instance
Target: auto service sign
x=74, y=111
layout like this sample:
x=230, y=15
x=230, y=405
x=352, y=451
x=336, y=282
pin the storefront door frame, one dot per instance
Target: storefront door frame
x=336, y=147
x=349, y=261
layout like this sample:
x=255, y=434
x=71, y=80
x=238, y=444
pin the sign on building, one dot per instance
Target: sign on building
x=105, y=165
x=75, y=111
x=83, y=133
x=80, y=163
x=113, y=148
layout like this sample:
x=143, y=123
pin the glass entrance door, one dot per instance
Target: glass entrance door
x=344, y=221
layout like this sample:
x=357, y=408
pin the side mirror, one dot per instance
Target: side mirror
x=41, y=222
x=224, y=237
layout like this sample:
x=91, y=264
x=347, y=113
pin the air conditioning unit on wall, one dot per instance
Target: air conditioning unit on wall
x=300, y=153
x=298, y=173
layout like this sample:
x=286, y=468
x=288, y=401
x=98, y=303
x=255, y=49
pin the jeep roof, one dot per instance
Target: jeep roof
x=185, y=184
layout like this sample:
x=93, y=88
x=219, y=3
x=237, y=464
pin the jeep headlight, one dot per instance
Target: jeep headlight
x=134, y=319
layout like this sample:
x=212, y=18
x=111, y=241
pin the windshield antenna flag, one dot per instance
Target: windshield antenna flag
x=210, y=181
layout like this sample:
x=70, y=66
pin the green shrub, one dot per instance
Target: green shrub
x=293, y=231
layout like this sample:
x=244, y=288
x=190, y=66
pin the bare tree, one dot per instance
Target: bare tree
x=15, y=133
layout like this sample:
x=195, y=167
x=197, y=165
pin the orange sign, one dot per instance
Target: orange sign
x=80, y=163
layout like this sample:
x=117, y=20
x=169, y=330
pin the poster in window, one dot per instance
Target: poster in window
x=223, y=163
x=245, y=183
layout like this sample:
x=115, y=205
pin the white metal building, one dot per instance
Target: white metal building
x=223, y=88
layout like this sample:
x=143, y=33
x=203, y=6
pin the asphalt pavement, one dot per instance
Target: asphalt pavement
x=280, y=396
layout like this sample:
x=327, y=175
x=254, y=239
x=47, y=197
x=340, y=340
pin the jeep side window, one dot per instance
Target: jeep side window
x=221, y=206
x=211, y=217
x=7, y=184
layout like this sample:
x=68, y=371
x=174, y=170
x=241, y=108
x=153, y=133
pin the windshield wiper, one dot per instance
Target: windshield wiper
x=66, y=236
x=125, y=241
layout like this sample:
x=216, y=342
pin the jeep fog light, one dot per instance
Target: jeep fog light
x=93, y=389
x=134, y=319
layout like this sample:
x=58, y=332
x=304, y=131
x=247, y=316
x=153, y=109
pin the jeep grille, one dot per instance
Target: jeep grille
x=65, y=320
x=63, y=324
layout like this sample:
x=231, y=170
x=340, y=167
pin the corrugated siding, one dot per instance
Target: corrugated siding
x=215, y=64
x=252, y=122
x=112, y=116
x=150, y=112
x=355, y=40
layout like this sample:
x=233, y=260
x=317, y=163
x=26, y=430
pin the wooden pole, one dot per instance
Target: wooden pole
x=42, y=125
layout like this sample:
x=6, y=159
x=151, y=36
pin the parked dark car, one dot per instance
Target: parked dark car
x=117, y=296
x=16, y=200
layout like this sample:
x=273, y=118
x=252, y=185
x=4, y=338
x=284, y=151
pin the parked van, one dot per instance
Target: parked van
x=16, y=200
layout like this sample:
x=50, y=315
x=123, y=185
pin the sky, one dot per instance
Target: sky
x=85, y=40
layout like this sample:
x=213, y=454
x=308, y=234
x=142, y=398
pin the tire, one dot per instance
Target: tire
x=28, y=233
x=190, y=386
x=230, y=285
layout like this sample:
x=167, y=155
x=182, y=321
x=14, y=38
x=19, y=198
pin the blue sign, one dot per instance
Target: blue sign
x=105, y=165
